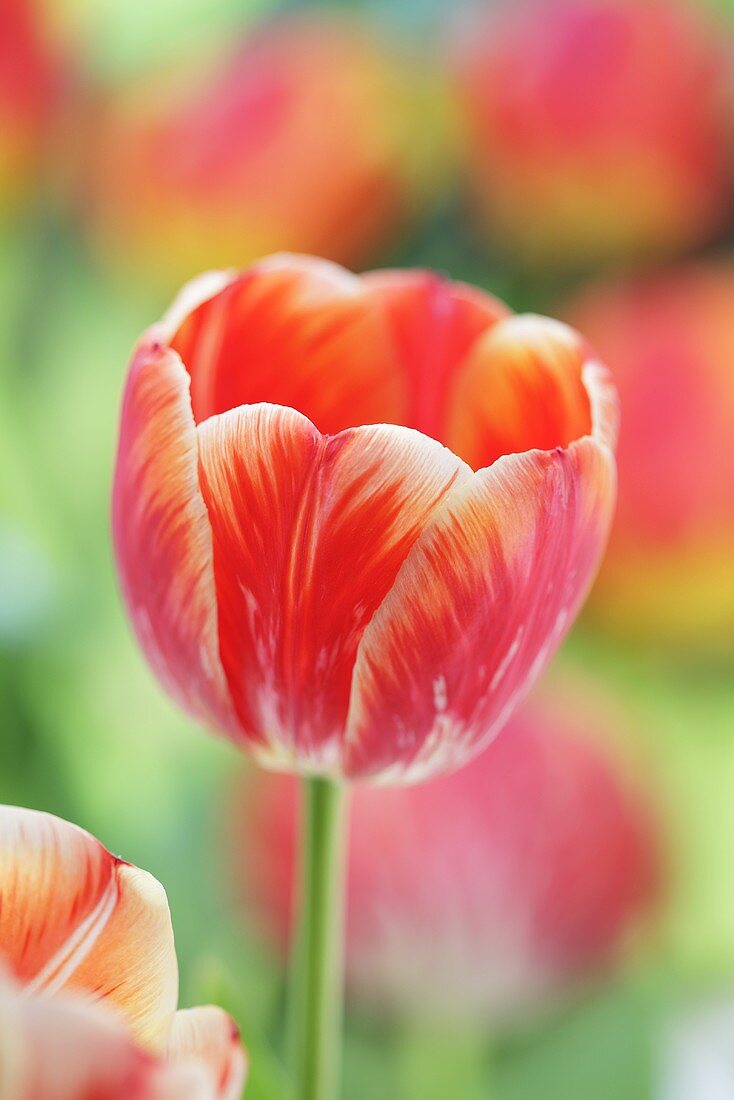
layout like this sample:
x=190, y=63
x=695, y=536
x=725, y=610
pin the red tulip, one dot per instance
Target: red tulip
x=595, y=128
x=670, y=339
x=305, y=136
x=363, y=602
x=75, y=919
x=30, y=80
x=482, y=893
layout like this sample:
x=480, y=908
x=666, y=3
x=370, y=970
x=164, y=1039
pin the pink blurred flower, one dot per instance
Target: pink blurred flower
x=306, y=136
x=30, y=90
x=669, y=572
x=77, y=920
x=486, y=893
x=595, y=128
x=363, y=602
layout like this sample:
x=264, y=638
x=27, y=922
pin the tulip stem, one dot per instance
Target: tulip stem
x=317, y=977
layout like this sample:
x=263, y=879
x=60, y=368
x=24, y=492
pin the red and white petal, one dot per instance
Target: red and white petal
x=162, y=535
x=293, y=331
x=64, y=1048
x=477, y=611
x=525, y=385
x=434, y=324
x=73, y=916
x=309, y=534
x=71, y=1050
x=209, y=1036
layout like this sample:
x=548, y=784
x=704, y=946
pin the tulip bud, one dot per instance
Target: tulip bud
x=354, y=517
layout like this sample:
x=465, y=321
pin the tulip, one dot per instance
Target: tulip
x=76, y=920
x=340, y=594
x=484, y=895
x=64, y=1048
x=594, y=129
x=306, y=135
x=30, y=80
x=670, y=338
x=313, y=572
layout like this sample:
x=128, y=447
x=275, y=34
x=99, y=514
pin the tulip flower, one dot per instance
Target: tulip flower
x=353, y=518
x=305, y=135
x=30, y=79
x=594, y=129
x=64, y=1048
x=482, y=895
x=670, y=338
x=77, y=920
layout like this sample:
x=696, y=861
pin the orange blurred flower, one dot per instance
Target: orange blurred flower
x=669, y=572
x=363, y=602
x=76, y=919
x=306, y=136
x=595, y=128
x=535, y=861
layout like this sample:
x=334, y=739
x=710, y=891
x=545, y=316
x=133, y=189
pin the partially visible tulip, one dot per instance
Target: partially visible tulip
x=30, y=83
x=485, y=894
x=76, y=919
x=349, y=600
x=595, y=128
x=64, y=1048
x=306, y=136
x=669, y=573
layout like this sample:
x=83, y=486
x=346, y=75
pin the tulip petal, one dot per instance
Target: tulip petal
x=522, y=387
x=64, y=1048
x=477, y=610
x=73, y=916
x=434, y=324
x=293, y=331
x=309, y=534
x=162, y=535
x=210, y=1036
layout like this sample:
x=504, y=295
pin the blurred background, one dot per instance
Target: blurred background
x=557, y=919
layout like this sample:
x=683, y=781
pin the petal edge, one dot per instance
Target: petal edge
x=162, y=536
x=477, y=610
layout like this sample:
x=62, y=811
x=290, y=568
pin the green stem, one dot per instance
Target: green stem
x=317, y=978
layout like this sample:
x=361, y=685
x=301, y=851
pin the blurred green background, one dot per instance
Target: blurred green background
x=87, y=734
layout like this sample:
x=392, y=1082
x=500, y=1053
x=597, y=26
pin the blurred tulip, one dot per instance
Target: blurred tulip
x=75, y=918
x=307, y=136
x=64, y=1048
x=365, y=602
x=669, y=573
x=30, y=85
x=485, y=893
x=595, y=129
